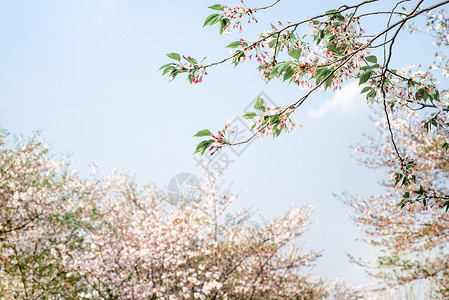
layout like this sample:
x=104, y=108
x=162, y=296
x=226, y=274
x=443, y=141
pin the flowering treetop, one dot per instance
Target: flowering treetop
x=62, y=237
x=412, y=244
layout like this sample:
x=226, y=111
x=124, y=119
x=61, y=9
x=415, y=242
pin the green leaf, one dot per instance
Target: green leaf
x=174, y=56
x=398, y=178
x=259, y=105
x=392, y=103
x=216, y=7
x=366, y=68
x=340, y=17
x=333, y=48
x=164, y=66
x=192, y=60
x=319, y=71
x=276, y=132
x=249, y=115
x=274, y=119
x=252, y=127
x=371, y=94
x=371, y=59
x=202, y=146
x=285, y=66
x=420, y=191
x=235, y=44
x=288, y=74
x=174, y=73
x=328, y=82
x=277, y=69
x=436, y=95
x=422, y=94
x=323, y=72
x=223, y=23
x=365, y=89
x=446, y=204
x=238, y=56
x=212, y=19
x=406, y=195
x=168, y=69
x=409, y=164
x=295, y=53
x=204, y=132
x=365, y=76
x=401, y=205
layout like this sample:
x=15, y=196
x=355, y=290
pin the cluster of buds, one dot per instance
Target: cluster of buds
x=235, y=14
x=334, y=40
x=197, y=77
x=220, y=139
x=412, y=88
x=184, y=64
x=273, y=122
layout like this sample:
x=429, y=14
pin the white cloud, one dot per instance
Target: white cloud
x=348, y=100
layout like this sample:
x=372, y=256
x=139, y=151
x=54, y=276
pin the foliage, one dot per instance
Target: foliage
x=332, y=50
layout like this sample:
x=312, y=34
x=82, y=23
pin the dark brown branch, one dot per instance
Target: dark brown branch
x=269, y=6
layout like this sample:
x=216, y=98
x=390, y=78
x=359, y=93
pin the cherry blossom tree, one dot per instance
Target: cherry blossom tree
x=411, y=244
x=142, y=245
x=109, y=238
x=39, y=223
x=325, y=52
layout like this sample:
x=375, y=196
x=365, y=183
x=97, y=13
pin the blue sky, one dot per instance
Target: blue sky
x=85, y=73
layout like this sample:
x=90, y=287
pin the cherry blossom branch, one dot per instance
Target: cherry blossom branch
x=340, y=59
x=341, y=9
x=291, y=26
x=296, y=104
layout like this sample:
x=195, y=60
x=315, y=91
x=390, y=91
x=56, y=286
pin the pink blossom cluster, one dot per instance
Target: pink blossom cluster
x=236, y=14
x=437, y=26
x=345, y=36
x=220, y=139
x=411, y=88
x=262, y=125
